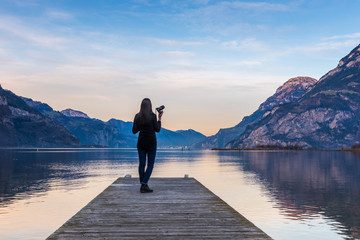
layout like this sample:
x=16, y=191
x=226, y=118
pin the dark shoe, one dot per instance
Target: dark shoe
x=145, y=189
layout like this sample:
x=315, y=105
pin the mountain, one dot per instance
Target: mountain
x=165, y=138
x=113, y=133
x=89, y=131
x=122, y=126
x=290, y=91
x=74, y=113
x=180, y=138
x=191, y=134
x=327, y=116
x=23, y=126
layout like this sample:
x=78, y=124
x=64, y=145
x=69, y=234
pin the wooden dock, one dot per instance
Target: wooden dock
x=179, y=208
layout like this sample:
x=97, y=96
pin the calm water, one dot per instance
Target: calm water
x=289, y=195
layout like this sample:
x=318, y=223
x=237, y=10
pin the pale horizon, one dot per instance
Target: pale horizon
x=209, y=62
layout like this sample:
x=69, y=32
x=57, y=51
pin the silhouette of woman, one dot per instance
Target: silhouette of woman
x=145, y=122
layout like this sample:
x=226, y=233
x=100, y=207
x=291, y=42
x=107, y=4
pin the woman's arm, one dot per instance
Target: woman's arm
x=135, y=127
x=157, y=124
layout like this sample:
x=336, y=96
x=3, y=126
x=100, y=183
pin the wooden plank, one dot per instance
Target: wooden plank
x=179, y=208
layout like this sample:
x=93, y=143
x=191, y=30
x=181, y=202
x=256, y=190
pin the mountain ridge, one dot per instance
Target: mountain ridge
x=113, y=133
x=74, y=113
x=23, y=126
x=290, y=91
x=325, y=117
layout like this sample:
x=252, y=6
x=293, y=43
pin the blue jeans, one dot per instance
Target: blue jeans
x=151, y=153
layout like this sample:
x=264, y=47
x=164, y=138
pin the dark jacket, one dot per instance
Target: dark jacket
x=147, y=137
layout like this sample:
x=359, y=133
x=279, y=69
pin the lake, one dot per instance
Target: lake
x=288, y=194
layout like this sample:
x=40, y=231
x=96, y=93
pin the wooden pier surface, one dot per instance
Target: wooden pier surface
x=179, y=208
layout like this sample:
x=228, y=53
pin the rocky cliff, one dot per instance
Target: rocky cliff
x=290, y=91
x=326, y=117
x=23, y=126
x=74, y=113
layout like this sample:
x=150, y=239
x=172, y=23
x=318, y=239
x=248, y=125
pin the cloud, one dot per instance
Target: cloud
x=227, y=9
x=229, y=18
x=56, y=14
x=29, y=33
x=247, y=44
x=329, y=45
x=248, y=63
x=28, y=3
x=231, y=7
x=258, y=6
x=144, y=2
x=346, y=36
x=171, y=42
x=89, y=96
x=180, y=54
x=202, y=2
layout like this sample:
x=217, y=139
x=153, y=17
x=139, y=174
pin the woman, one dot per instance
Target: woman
x=145, y=122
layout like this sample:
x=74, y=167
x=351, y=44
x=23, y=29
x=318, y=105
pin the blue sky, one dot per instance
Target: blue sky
x=210, y=62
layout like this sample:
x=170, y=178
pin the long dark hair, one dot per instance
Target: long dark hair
x=145, y=110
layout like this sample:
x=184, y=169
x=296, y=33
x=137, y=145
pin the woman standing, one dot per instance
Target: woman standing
x=145, y=122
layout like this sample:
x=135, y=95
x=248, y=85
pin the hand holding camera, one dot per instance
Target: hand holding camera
x=160, y=111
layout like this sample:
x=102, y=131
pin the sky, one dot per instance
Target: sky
x=209, y=62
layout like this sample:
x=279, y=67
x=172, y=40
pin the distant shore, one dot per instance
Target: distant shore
x=349, y=150
x=286, y=148
x=263, y=148
x=251, y=149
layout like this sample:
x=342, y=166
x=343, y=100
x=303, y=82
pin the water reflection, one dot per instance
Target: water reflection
x=297, y=195
x=310, y=184
x=31, y=171
x=27, y=172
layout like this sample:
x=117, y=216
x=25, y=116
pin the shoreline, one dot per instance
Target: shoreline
x=286, y=149
x=263, y=148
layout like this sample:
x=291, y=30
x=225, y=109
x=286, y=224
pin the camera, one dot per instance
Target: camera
x=160, y=109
